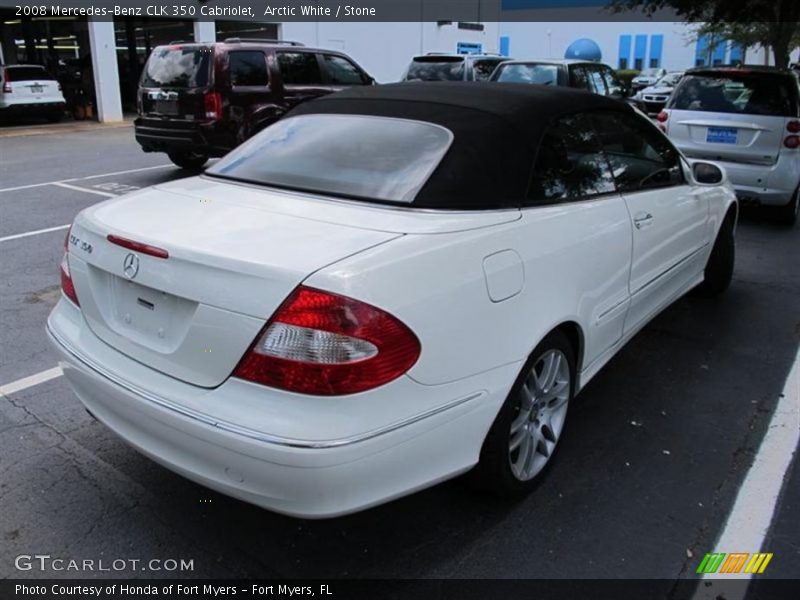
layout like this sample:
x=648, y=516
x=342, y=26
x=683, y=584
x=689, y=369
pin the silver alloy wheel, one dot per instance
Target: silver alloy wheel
x=541, y=412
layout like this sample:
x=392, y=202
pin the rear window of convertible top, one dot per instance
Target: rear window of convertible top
x=362, y=157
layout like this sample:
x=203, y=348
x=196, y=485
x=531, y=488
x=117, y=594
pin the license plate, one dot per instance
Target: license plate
x=37, y=89
x=166, y=107
x=721, y=135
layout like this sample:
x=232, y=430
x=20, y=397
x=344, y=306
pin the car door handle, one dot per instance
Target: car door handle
x=643, y=220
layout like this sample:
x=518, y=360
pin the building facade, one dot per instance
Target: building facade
x=100, y=61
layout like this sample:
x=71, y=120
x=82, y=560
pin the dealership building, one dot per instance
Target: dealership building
x=101, y=60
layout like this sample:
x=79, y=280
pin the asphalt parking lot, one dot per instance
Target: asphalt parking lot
x=654, y=454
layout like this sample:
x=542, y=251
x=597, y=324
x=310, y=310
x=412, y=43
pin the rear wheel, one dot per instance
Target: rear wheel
x=524, y=436
x=719, y=268
x=788, y=214
x=193, y=161
x=55, y=116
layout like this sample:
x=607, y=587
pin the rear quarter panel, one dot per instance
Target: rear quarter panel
x=575, y=267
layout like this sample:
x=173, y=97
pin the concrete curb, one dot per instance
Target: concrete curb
x=21, y=131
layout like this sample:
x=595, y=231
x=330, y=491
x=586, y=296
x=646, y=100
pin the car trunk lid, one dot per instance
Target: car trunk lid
x=194, y=313
x=734, y=138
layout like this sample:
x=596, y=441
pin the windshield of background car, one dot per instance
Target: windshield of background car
x=528, y=73
x=742, y=93
x=178, y=67
x=27, y=73
x=436, y=68
x=355, y=156
x=649, y=73
x=668, y=80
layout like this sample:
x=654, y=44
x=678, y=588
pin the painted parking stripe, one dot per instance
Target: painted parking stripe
x=35, y=185
x=748, y=523
x=17, y=236
x=69, y=186
x=30, y=381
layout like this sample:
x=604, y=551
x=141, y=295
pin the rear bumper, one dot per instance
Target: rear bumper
x=165, y=135
x=768, y=185
x=34, y=106
x=314, y=477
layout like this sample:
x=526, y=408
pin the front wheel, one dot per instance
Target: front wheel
x=194, y=161
x=719, y=268
x=524, y=436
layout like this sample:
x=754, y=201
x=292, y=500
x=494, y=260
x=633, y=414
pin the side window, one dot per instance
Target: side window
x=483, y=69
x=640, y=156
x=612, y=83
x=342, y=71
x=299, y=68
x=579, y=79
x=598, y=86
x=570, y=165
x=248, y=68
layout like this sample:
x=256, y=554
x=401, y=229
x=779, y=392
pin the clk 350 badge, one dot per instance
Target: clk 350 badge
x=130, y=267
x=78, y=243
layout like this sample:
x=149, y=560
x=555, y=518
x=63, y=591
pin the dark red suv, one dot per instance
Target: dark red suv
x=197, y=101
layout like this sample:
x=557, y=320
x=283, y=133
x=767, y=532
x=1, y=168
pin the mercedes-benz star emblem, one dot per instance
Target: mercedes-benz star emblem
x=131, y=266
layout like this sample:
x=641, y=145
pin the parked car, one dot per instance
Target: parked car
x=30, y=91
x=373, y=294
x=582, y=74
x=646, y=78
x=452, y=67
x=652, y=100
x=198, y=101
x=748, y=119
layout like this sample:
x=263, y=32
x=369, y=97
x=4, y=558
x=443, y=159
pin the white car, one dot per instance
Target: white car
x=29, y=90
x=652, y=99
x=374, y=294
x=748, y=119
x=647, y=77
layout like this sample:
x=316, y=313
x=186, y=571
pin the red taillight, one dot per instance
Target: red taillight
x=137, y=246
x=792, y=141
x=793, y=126
x=67, y=286
x=212, y=102
x=325, y=344
x=6, y=81
x=662, y=116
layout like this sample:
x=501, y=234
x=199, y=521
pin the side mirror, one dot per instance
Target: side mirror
x=707, y=173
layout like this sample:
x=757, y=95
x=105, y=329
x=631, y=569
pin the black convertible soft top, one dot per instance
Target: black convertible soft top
x=497, y=128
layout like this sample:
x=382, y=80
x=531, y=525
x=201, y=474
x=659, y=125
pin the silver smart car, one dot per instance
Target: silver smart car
x=747, y=119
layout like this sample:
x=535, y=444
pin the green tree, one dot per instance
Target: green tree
x=773, y=23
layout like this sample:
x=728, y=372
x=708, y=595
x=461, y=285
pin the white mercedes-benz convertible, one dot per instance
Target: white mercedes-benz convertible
x=389, y=287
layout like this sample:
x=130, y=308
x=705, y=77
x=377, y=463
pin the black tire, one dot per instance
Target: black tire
x=55, y=117
x=494, y=471
x=719, y=268
x=193, y=161
x=788, y=214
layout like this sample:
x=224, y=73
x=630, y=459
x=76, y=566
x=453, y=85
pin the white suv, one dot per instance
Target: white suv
x=29, y=90
x=748, y=119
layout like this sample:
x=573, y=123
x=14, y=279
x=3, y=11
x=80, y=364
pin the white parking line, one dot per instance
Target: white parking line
x=17, y=236
x=35, y=185
x=30, y=381
x=748, y=523
x=83, y=189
